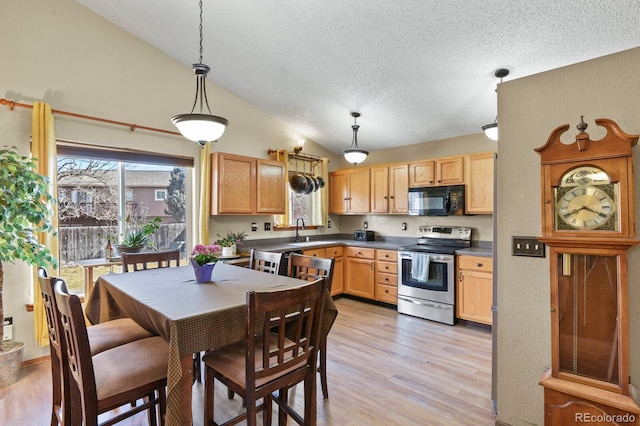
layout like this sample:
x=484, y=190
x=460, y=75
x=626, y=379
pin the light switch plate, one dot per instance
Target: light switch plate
x=527, y=246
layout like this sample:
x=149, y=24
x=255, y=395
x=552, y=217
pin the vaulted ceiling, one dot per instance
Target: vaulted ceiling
x=417, y=70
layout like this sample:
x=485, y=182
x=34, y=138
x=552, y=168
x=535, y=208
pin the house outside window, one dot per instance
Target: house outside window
x=161, y=194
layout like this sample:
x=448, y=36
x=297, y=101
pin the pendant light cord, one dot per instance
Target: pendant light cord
x=200, y=31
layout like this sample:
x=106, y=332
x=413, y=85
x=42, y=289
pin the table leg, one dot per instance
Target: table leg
x=186, y=383
x=88, y=280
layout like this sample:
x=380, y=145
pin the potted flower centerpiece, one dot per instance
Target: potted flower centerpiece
x=203, y=260
x=231, y=242
x=25, y=210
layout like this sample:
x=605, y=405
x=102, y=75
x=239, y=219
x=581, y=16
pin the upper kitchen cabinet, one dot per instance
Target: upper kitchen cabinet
x=349, y=191
x=246, y=185
x=479, y=188
x=389, y=189
x=439, y=171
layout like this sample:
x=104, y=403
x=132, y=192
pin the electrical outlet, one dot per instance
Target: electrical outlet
x=404, y=226
x=328, y=224
x=365, y=225
x=254, y=227
x=7, y=326
x=267, y=226
x=527, y=246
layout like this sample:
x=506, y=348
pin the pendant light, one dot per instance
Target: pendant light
x=200, y=127
x=354, y=155
x=491, y=130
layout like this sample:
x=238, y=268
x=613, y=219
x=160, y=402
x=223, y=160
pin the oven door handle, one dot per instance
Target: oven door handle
x=424, y=303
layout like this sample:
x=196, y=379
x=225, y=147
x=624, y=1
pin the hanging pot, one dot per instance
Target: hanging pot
x=310, y=183
x=298, y=182
x=319, y=182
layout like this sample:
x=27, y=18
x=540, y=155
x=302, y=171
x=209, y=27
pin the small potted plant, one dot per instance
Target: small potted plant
x=230, y=242
x=137, y=237
x=25, y=210
x=203, y=260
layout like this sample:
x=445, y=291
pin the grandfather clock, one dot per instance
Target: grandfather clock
x=588, y=223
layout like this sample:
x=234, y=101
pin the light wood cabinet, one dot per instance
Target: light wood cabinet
x=271, y=181
x=337, y=252
x=390, y=188
x=246, y=185
x=360, y=272
x=386, y=288
x=349, y=191
x=479, y=179
x=439, y=171
x=380, y=189
x=475, y=288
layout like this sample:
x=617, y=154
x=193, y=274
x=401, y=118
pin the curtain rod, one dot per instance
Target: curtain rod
x=132, y=127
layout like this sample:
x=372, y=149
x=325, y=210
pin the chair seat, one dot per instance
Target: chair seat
x=128, y=366
x=108, y=335
x=229, y=361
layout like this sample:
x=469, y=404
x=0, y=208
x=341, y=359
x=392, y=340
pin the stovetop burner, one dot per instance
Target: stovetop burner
x=441, y=239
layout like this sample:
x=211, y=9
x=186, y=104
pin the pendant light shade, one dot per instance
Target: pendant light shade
x=354, y=155
x=199, y=126
x=491, y=129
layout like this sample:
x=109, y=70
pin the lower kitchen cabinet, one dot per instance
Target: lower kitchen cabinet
x=360, y=272
x=475, y=288
x=337, y=252
x=337, y=285
x=386, y=289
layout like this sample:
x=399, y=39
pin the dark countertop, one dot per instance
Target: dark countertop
x=391, y=243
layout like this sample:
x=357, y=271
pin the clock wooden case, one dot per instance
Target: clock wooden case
x=588, y=223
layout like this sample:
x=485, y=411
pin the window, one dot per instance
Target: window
x=99, y=189
x=161, y=195
x=305, y=206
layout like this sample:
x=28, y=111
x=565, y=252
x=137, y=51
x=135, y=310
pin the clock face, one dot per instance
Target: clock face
x=586, y=200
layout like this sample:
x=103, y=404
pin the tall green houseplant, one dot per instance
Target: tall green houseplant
x=25, y=210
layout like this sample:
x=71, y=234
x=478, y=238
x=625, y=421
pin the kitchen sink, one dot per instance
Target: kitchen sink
x=312, y=243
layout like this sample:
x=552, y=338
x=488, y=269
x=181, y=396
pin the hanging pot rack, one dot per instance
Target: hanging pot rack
x=292, y=155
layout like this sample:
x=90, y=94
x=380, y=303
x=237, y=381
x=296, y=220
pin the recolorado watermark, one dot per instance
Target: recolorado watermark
x=604, y=418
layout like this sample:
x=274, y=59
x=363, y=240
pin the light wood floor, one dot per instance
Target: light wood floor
x=384, y=369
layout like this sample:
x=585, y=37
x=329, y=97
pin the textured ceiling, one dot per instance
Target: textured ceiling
x=417, y=70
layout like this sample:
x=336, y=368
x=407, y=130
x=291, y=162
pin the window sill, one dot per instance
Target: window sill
x=29, y=306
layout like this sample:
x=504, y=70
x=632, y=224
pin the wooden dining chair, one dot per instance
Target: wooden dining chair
x=311, y=268
x=265, y=261
x=149, y=260
x=113, y=378
x=101, y=337
x=266, y=360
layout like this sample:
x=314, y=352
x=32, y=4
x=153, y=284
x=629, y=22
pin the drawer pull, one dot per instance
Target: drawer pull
x=479, y=265
x=386, y=279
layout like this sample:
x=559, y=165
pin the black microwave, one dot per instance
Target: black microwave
x=437, y=201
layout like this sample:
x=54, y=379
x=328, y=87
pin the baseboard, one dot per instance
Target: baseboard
x=35, y=361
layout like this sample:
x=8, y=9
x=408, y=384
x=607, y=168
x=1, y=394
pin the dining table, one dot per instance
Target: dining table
x=191, y=316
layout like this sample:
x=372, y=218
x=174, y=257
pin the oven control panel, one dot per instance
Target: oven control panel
x=447, y=232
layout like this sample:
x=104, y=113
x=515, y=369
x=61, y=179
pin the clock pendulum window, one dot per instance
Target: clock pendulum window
x=588, y=223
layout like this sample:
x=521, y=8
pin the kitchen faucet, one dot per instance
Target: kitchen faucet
x=298, y=237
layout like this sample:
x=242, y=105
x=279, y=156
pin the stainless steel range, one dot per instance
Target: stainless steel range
x=426, y=273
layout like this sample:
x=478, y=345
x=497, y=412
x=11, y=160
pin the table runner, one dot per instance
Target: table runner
x=192, y=317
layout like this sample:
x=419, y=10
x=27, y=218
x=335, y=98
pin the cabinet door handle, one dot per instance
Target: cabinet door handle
x=391, y=197
x=460, y=276
x=371, y=264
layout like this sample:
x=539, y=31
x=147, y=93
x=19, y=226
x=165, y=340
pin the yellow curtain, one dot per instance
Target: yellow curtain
x=282, y=220
x=43, y=148
x=205, y=195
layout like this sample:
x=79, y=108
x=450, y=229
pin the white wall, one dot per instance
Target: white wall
x=529, y=109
